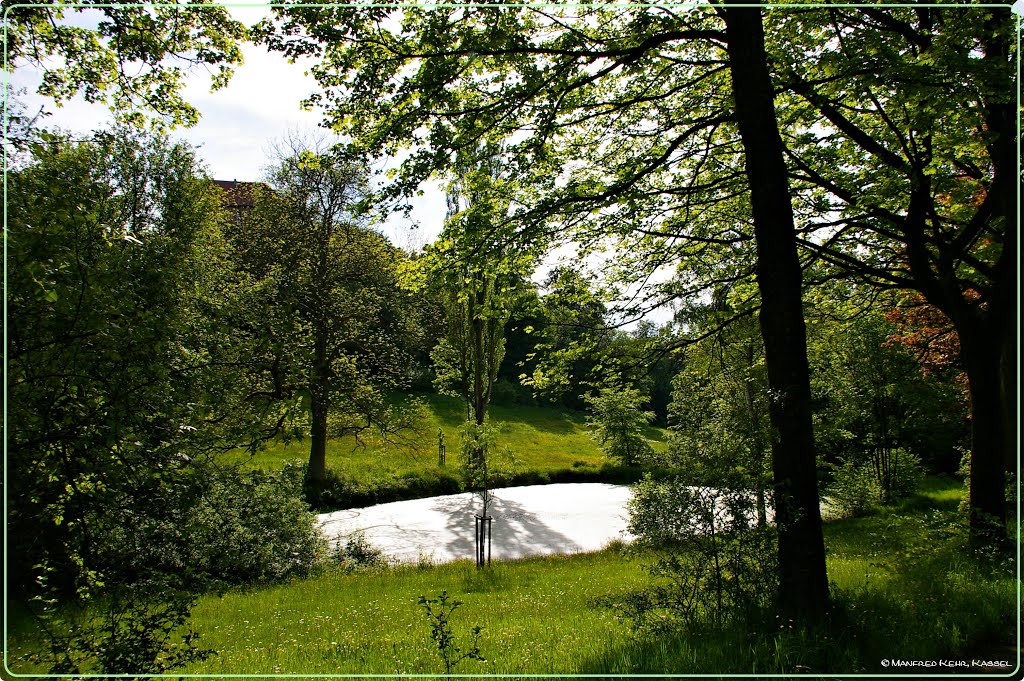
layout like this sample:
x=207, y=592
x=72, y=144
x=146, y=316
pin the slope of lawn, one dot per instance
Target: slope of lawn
x=904, y=586
x=535, y=445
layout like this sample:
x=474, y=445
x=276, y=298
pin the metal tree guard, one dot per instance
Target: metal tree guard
x=483, y=525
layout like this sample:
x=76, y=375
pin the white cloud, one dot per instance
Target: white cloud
x=261, y=104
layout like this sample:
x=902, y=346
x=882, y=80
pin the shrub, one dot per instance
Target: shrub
x=253, y=526
x=509, y=394
x=439, y=611
x=357, y=553
x=339, y=492
x=854, y=489
x=857, y=487
x=225, y=525
x=717, y=564
x=619, y=424
x=139, y=628
x=905, y=474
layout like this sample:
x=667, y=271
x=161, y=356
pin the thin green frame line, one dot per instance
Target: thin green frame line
x=1017, y=8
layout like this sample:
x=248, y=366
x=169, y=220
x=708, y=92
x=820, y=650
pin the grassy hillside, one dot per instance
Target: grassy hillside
x=536, y=445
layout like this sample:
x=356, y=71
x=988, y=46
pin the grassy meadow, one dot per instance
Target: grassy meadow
x=540, y=438
x=904, y=586
x=536, y=445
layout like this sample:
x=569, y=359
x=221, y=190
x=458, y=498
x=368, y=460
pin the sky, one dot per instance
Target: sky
x=240, y=123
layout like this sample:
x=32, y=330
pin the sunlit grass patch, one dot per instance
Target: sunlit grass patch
x=536, y=614
x=537, y=445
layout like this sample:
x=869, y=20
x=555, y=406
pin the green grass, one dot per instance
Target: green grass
x=905, y=586
x=545, y=444
x=541, y=438
x=536, y=614
x=373, y=624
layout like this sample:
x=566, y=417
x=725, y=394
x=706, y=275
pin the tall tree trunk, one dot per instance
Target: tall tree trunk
x=803, y=588
x=479, y=369
x=987, y=484
x=319, y=405
x=989, y=345
x=1007, y=189
x=1009, y=354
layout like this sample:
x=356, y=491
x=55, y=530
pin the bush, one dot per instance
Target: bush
x=509, y=394
x=619, y=424
x=138, y=628
x=338, y=492
x=854, y=489
x=204, y=528
x=357, y=553
x=225, y=525
x=717, y=564
x=253, y=526
x=905, y=474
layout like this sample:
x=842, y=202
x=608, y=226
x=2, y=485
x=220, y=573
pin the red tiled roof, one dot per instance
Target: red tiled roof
x=238, y=194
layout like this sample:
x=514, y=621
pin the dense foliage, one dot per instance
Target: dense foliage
x=122, y=389
x=131, y=57
x=331, y=330
x=619, y=425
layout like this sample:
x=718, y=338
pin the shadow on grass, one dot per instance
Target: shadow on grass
x=866, y=631
x=767, y=646
x=451, y=412
x=543, y=419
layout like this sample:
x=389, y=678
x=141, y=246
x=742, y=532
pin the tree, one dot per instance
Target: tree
x=331, y=316
x=131, y=57
x=906, y=143
x=112, y=243
x=483, y=286
x=619, y=424
x=875, y=406
x=719, y=411
x=803, y=583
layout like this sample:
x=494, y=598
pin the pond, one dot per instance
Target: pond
x=528, y=521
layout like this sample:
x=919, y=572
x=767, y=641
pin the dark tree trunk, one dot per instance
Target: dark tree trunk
x=803, y=589
x=318, y=442
x=1008, y=381
x=319, y=406
x=1006, y=188
x=982, y=361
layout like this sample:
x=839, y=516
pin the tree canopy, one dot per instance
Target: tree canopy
x=131, y=57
